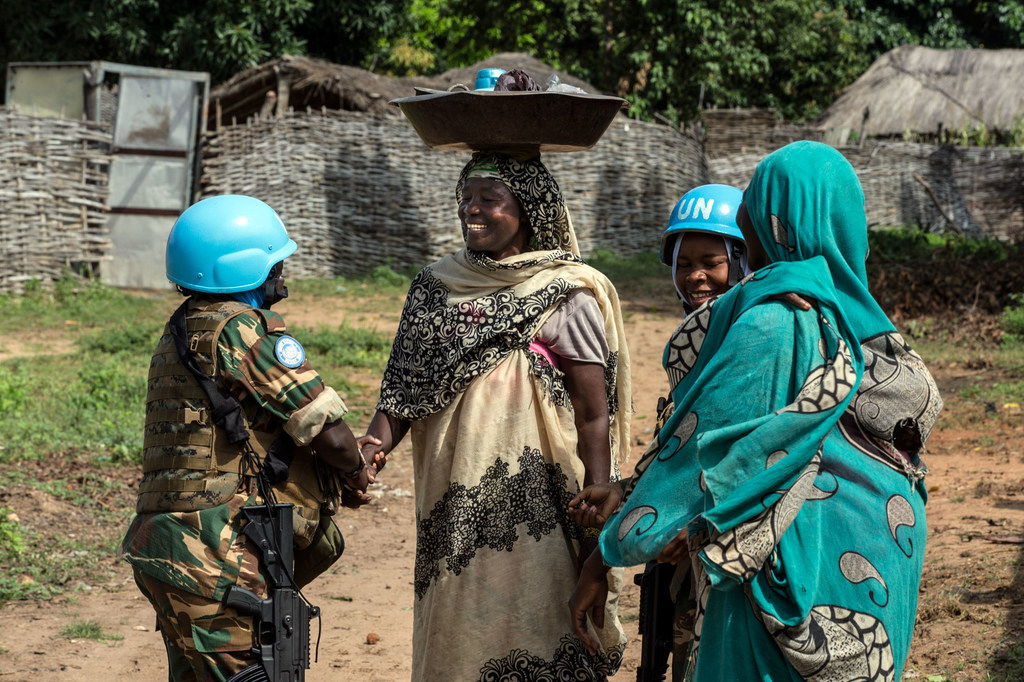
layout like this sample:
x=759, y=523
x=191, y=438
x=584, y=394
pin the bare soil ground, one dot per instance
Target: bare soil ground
x=970, y=617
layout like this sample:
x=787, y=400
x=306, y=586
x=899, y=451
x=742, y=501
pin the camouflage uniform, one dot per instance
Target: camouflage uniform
x=184, y=542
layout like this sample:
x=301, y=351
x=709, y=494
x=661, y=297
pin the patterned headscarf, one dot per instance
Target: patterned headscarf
x=533, y=185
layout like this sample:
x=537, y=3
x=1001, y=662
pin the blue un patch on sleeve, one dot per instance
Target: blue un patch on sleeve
x=289, y=352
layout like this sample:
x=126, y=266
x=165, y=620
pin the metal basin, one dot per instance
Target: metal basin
x=516, y=122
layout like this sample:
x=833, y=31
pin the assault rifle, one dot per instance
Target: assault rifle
x=283, y=618
x=655, y=626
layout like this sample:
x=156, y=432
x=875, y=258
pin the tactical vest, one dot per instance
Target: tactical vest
x=187, y=462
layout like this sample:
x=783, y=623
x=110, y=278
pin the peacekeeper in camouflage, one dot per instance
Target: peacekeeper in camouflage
x=226, y=255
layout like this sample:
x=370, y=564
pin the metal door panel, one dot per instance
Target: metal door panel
x=148, y=182
x=139, y=259
x=46, y=90
x=155, y=114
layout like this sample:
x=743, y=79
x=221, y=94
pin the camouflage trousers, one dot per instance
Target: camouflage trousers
x=205, y=640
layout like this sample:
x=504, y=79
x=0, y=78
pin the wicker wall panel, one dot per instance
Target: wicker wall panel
x=975, y=191
x=53, y=195
x=358, y=191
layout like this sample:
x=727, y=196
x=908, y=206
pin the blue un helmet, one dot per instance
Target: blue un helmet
x=226, y=244
x=708, y=208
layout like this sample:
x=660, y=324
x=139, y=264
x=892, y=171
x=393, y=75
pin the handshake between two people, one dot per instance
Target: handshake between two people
x=372, y=449
x=356, y=460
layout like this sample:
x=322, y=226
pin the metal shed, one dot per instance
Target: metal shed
x=156, y=118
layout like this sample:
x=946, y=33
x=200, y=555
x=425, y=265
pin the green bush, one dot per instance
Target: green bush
x=107, y=407
x=618, y=268
x=383, y=279
x=91, y=402
x=903, y=244
x=14, y=392
x=87, y=303
x=382, y=275
x=1012, y=321
x=135, y=338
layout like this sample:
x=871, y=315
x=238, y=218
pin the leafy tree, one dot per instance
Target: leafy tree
x=669, y=56
x=675, y=56
x=460, y=32
x=218, y=36
x=357, y=33
x=944, y=24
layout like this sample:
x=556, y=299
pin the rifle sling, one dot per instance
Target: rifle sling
x=225, y=409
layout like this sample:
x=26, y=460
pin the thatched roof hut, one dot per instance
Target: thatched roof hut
x=295, y=82
x=300, y=83
x=922, y=90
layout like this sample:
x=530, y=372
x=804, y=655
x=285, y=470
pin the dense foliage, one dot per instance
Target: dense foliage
x=668, y=57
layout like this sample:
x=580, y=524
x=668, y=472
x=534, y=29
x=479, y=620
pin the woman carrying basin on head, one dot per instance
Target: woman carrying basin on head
x=511, y=375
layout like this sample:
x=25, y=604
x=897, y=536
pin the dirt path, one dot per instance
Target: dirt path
x=970, y=613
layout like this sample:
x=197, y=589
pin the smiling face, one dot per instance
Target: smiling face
x=756, y=255
x=702, y=267
x=492, y=220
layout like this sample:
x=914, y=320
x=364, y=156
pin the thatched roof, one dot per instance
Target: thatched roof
x=300, y=82
x=917, y=89
x=312, y=83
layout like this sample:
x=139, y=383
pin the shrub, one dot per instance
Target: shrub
x=1012, y=321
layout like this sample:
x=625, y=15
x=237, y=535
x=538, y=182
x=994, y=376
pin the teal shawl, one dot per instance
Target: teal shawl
x=791, y=457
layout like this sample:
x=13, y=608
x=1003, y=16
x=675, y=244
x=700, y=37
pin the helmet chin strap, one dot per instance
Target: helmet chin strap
x=274, y=289
x=738, y=268
x=675, y=267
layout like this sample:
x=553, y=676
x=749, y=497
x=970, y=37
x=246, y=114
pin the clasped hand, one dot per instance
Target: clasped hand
x=354, y=494
x=593, y=505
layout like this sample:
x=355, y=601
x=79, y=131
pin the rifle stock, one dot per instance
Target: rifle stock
x=655, y=626
x=283, y=631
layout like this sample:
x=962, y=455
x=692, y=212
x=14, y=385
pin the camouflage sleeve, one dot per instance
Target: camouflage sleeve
x=263, y=364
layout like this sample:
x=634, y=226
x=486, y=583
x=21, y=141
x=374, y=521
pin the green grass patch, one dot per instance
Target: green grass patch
x=382, y=280
x=93, y=402
x=345, y=346
x=997, y=392
x=46, y=559
x=1012, y=323
x=621, y=269
x=12, y=542
x=83, y=303
x=48, y=566
x=87, y=629
x=87, y=491
x=1007, y=359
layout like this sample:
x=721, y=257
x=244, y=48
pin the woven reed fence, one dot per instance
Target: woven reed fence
x=357, y=191
x=730, y=133
x=53, y=195
x=976, y=191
